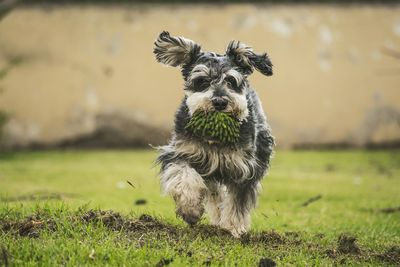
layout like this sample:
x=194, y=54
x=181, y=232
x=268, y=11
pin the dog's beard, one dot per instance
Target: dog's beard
x=214, y=127
x=237, y=105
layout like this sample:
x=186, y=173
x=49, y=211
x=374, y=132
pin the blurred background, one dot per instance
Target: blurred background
x=82, y=73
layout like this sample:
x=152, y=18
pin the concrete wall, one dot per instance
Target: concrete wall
x=69, y=72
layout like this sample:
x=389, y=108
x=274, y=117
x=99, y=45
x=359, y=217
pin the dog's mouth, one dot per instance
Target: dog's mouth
x=229, y=110
x=214, y=127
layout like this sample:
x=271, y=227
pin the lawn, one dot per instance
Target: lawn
x=316, y=208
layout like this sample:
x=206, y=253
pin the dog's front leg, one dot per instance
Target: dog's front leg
x=236, y=207
x=187, y=188
x=214, y=199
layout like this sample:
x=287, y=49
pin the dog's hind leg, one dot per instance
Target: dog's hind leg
x=236, y=207
x=187, y=188
x=215, y=195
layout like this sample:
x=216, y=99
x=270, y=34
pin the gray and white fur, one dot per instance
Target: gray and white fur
x=204, y=174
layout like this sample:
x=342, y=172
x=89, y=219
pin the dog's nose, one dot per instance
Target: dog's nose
x=219, y=103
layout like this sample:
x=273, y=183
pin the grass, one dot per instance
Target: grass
x=53, y=212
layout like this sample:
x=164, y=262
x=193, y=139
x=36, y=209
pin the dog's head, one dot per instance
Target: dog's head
x=213, y=82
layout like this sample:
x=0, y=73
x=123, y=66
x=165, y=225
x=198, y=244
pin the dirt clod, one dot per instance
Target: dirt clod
x=347, y=245
x=266, y=262
x=141, y=201
x=311, y=200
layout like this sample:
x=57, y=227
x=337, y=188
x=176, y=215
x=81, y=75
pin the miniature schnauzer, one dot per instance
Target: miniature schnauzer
x=200, y=174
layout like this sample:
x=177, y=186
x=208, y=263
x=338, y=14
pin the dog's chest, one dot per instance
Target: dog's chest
x=219, y=163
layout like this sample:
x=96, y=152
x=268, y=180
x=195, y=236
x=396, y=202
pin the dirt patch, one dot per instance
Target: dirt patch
x=147, y=223
x=207, y=231
x=266, y=262
x=346, y=245
x=30, y=226
x=148, y=230
x=143, y=225
x=392, y=255
x=112, y=220
x=269, y=238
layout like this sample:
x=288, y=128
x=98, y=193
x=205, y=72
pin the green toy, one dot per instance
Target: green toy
x=215, y=126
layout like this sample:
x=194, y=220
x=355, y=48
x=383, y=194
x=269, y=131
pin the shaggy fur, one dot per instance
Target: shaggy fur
x=203, y=174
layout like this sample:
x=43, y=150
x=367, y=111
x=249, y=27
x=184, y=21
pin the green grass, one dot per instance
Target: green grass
x=354, y=185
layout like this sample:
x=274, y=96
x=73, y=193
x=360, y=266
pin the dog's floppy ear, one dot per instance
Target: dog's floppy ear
x=175, y=51
x=244, y=57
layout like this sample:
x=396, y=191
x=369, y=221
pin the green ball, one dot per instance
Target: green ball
x=214, y=126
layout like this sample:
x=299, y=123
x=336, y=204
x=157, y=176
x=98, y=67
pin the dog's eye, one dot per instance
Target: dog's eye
x=232, y=83
x=200, y=84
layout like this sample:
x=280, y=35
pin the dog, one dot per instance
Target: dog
x=205, y=175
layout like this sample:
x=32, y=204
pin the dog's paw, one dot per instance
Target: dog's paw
x=237, y=229
x=265, y=137
x=190, y=207
x=191, y=215
x=237, y=232
x=237, y=224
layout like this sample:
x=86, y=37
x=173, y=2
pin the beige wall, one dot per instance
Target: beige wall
x=337, y=69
